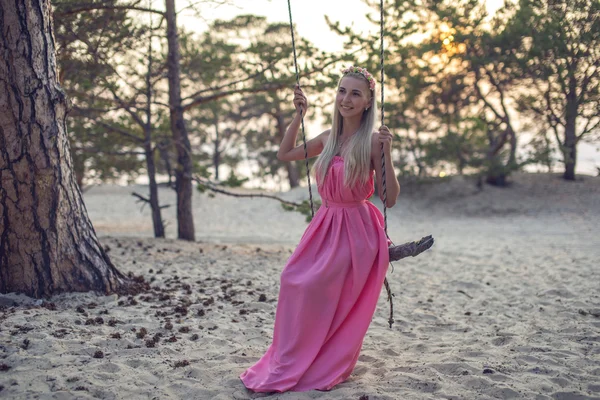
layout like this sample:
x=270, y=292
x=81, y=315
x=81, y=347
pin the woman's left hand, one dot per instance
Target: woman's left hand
x=385, y=138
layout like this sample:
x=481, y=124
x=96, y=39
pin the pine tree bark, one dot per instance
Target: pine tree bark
x=157, y=222
x=570, y=143
x=217, y=151
x=47, y=242
x=183, y=172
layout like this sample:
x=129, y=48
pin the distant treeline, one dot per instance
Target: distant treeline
x=466, y=93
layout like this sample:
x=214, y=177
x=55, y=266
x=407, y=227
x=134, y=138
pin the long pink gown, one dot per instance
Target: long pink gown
x=328, y=294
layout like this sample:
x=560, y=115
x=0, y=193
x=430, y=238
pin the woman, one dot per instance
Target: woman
x=331, y=283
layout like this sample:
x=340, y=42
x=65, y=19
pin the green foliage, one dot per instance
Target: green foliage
x=201, y=170
x=303, y=208
x=241, y=127
x=541, y=151
x=455, y=80
x=463, y=146
x=88, y=45
x=202, y=188
x=448, y=64
x=558, y=54
x=102, y=156
x=233, y=180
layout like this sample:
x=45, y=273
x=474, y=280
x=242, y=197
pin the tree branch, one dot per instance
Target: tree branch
x=270, y=87
x=79, y=8
x=588, y=129
x=213, y=187
x=214, y=89
x=126, y=107
x=111, y=153
x=142, y=199
x=505, y=118
x=409, y=249
x=482, y=96
x=556, y=119
x=586, y=80
x=120, y=131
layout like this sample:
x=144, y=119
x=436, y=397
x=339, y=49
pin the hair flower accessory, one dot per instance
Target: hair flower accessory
x=363, y=72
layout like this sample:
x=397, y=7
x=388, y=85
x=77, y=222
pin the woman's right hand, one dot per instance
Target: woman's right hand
x=300, y=101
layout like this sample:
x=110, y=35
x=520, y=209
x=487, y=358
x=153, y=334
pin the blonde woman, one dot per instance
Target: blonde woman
x=331, y=283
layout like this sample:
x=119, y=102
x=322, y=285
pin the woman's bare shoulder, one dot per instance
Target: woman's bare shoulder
x=324, y=136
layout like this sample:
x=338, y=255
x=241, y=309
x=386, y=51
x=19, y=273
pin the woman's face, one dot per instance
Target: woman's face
x=353, y=97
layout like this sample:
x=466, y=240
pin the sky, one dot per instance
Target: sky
x=309, y=20
x=308, y=16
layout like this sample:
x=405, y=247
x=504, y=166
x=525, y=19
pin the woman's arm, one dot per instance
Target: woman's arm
x=288, y=151
x=392, y=185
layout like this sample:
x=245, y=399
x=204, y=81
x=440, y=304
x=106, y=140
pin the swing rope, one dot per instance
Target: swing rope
x=385, y=282
x=312, y=209
x=381, y=60
x=388, y=289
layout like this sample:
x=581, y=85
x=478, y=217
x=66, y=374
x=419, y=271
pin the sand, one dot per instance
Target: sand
x=506, y=305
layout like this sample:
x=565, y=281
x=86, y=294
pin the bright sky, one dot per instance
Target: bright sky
x=309, y=19
x=308, y=16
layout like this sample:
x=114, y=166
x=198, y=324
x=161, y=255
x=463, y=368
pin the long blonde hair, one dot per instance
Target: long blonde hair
x=357, y=153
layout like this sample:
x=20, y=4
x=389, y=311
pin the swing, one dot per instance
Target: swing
x=396, y=253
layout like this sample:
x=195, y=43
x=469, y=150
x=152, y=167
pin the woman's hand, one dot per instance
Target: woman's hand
x=300, y=101
x=385, y=138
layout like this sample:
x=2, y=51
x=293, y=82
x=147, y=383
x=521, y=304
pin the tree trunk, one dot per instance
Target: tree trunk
x=293, y=174
x=47, y=242
x=183, y=172
x=570, y=144
x=497, y=172
x=157, y=222
x=570, y=154
x=512, y=157
x=217, y=152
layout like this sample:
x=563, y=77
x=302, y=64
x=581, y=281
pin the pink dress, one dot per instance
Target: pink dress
x=328, y=294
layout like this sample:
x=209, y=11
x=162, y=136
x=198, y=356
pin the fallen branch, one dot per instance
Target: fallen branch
x=146, y=200
x=213, y=187
x=410, y=249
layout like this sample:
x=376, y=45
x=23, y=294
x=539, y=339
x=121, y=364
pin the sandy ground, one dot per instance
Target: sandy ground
x=506, y=305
